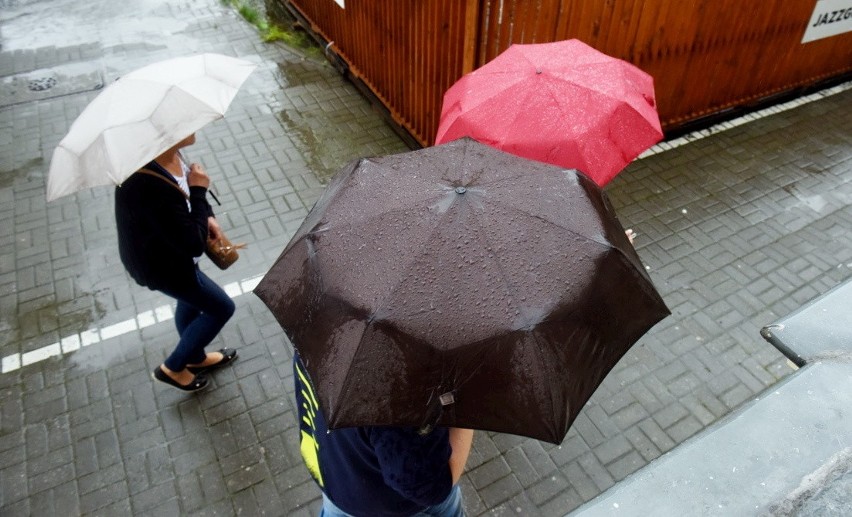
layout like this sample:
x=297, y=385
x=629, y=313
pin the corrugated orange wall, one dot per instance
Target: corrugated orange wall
x=706, y=56
x=408, y=52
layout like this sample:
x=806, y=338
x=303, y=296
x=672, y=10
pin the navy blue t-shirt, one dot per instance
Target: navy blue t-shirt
x=372, y=471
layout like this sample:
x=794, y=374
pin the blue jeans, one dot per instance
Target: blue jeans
x=202, y=311
x=451, y=507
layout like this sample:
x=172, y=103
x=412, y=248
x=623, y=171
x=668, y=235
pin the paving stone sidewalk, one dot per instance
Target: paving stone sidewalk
x=737, y=229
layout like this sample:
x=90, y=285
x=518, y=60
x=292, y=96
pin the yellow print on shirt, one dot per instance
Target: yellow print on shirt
x=308, y=445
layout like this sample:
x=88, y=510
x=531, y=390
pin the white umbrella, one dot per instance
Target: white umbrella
x=141, y=115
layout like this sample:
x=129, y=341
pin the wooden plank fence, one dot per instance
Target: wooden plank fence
x=706, y=56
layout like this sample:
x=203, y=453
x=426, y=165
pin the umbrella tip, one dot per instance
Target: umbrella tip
x=538, y=71
x=460, y=190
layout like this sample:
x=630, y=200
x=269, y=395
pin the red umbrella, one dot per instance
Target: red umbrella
x=562, y=103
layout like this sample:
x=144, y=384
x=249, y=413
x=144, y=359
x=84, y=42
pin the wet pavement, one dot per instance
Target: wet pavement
x=737, y=229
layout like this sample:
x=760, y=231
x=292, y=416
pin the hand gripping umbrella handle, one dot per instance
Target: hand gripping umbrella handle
x=175, y=185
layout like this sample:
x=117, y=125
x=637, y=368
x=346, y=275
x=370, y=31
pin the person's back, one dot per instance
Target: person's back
x=379, y=471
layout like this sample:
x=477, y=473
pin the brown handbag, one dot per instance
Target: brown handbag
x=221, y=251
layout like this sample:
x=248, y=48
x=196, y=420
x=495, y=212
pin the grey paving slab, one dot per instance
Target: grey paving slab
x=786, y=453
x=737, y=229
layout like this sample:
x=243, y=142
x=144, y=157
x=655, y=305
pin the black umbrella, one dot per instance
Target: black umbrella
x=460, y=286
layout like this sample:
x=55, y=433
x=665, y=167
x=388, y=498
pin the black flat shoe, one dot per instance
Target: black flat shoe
x=228, y=356
x=198, y=383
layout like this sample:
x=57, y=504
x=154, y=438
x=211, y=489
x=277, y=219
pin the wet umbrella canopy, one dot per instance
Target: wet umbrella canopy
x=460, y=286
x=562, y=103
x=139, y=116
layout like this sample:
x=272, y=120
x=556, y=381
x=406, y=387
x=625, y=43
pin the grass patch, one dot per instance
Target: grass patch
x=270, y=32
x=250, y=14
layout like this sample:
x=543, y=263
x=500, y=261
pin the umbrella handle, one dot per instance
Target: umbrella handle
x=185, y=163
x=435, y=411
x=213, y=195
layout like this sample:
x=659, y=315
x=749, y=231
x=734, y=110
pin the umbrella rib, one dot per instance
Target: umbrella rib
x=380, y=307
x=423, y=245
x=552, y=223
x=520, y=114
x=477, y=101
x=539, y=349
x=369, y=217
x=504, y=275
x=349, y=370
x=574, y=82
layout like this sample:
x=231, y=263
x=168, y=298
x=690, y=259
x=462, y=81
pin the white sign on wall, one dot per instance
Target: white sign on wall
x=340, y=3
x=830, y=18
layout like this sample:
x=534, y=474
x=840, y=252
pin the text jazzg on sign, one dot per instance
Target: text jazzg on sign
x=830, y=18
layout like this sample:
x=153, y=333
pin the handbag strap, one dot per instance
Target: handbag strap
x=149, y=172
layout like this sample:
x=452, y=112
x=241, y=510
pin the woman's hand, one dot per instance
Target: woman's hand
x=214, y=231
x=198, y=176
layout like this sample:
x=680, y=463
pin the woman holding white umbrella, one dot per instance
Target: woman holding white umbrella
x=164, y=221
x=130, y=136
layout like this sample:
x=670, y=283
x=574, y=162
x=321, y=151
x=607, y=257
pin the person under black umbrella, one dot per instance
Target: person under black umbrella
x=380, y=470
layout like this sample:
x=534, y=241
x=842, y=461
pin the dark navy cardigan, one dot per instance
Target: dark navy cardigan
x=158, y=236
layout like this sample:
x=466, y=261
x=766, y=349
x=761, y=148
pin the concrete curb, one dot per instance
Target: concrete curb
x=775, y=455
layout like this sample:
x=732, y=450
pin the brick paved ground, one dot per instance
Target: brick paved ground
x=737, y=229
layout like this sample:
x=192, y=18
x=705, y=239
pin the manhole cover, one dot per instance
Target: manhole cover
x=49, y=83
x=42, y=84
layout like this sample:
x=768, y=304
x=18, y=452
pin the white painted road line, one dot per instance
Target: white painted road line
x=89, y=337
x=745, y=119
